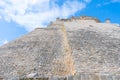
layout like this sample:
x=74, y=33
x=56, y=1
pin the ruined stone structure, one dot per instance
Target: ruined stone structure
x=68, y=49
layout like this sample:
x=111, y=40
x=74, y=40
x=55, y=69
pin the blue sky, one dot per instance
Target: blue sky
x=18, y=17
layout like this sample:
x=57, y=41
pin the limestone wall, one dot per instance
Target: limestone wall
x=41, y=52
x=74, y=19
x=66, y=50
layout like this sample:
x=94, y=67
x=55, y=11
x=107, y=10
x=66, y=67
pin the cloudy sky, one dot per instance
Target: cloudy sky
x=18, y=17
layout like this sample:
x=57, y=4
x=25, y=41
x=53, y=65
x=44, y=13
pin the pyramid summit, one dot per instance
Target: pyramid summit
x=79, y=48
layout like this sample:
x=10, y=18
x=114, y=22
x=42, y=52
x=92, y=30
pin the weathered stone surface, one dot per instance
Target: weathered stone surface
x=40, y=51
x=80, y=49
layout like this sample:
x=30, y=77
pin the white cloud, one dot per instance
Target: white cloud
x=2, y=42
x=37, y=13
x=5, y=41
x=0, y=17
x=108, y=2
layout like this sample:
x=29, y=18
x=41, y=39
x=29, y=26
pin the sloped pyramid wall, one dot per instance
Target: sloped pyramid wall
x=71, y=50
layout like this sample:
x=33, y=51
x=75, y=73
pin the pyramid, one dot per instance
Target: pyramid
x=79, y=48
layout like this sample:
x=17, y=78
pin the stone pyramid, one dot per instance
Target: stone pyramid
x=79, y=48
